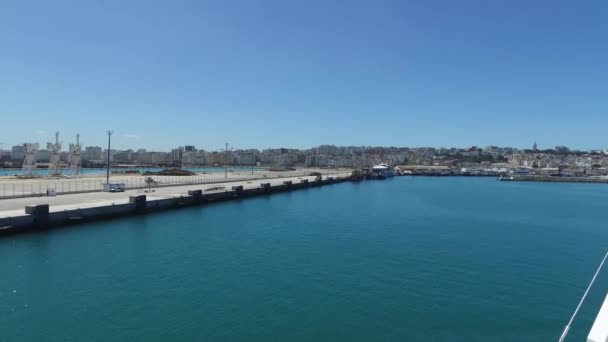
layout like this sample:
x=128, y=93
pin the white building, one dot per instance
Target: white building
x=189, y=157
x=94, y=153
x=246, y=157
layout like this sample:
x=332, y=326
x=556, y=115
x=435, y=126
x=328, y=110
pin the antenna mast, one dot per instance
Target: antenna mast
x=226, y=162
x=108, y=169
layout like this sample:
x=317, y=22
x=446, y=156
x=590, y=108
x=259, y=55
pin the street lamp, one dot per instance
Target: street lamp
x=110, y=132
x=226, y=162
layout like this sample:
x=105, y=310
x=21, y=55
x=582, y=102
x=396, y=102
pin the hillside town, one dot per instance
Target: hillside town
x=489, y=160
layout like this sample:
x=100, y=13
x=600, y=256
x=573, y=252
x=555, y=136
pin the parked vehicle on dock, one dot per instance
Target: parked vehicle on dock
x=114, y=187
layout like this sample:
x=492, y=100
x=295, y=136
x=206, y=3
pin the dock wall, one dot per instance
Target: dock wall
x=38, y=217
x=556, y=179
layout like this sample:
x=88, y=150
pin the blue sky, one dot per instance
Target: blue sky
x=302, y=73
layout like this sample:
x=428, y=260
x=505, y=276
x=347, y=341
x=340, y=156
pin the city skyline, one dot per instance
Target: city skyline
x=490, y=160
x=4, y=146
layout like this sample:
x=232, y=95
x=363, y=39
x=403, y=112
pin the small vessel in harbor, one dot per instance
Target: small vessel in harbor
x=382, y=171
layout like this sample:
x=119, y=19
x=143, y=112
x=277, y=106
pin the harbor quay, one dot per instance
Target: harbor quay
x=40, y=213
x=594, y=180
x=12, y=187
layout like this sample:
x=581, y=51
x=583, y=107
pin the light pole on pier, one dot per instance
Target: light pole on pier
x=110, y=132
x=226, y=162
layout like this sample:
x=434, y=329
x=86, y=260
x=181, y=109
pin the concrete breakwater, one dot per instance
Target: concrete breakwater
x=44, y=216
x=555, y=179
x=12, y=188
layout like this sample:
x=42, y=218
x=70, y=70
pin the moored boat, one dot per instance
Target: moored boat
x=382, y=171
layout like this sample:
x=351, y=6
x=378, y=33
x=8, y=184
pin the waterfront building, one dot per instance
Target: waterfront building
x=215, y=158
x=43, y=156
x=176, y=154
x=112, y=154
x=522, y=171
x=281, y=156
x=18, y=153
x=92, y=153
x=245, y=157
x=327, y=149
x=154, y=158
x=124, y=156
x=5, y=156
x=515, y=160
x=472, y=152
x=145, y=157
x=188, y=157
x=200, y=157
x=311, y=161
x=64, y=157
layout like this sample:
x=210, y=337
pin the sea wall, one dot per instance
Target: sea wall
x=39, y=217
x=556, y=179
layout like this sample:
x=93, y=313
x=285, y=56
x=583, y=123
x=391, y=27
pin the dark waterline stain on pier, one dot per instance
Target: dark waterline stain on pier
x=444, y=259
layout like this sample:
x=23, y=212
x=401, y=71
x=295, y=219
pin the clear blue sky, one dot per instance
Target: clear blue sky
x=302, y=73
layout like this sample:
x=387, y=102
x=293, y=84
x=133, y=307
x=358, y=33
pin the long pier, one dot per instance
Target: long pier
x=555, y=179
x=41, y=216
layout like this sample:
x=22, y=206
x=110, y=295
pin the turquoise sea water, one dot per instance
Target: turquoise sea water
x=406, y=259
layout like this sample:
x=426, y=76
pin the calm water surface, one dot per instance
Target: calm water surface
x=406, y=259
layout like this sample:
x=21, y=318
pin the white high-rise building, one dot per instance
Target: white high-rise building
x=93, y=153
